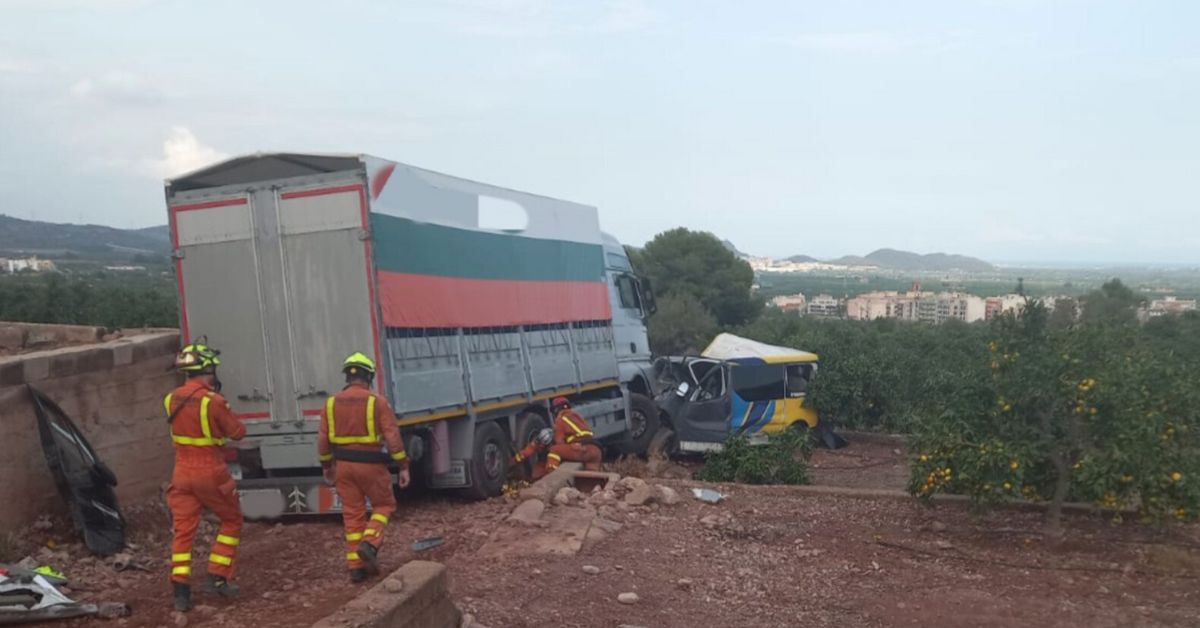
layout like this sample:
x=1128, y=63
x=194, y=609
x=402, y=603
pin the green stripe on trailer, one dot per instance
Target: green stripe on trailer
x=406, y=246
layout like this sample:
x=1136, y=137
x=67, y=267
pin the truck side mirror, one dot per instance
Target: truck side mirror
x=682, y=389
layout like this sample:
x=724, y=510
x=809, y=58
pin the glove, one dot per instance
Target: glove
x=329, y=473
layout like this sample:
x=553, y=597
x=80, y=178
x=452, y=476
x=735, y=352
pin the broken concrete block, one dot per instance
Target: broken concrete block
x=529, y=512
x=630, y=483
x=567, y=495
x=641, y=495
x=628, y=598
x=668, y=496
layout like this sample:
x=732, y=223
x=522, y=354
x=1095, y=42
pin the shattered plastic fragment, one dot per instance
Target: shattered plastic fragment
x=707, y=495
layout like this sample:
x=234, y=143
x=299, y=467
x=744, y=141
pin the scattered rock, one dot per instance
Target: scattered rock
x=529, y=512
x=937, y=526
x=204, y=609
x=629, y=626
x=43, y=523
x=607, y=525
x=943, y=544
x=630, y=483
x=809, y=553
x=712, y=521
x=591, y=570
x=668, y=496
x=602, y=498
x=567, y=495
x=393, y=585
x=684, y=583
x=641, y=495
x=628, y=598
x=468, y=620
x=610, y=513
x=180, y=619
x=112, y=610
x=122, y=561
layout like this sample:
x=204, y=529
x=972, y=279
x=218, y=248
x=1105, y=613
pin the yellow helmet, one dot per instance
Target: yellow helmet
x=357, y=364
x=197, y=358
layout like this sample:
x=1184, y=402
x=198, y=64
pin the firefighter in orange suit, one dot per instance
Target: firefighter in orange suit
x=201, y=420
x=573, y=440
x=540, y=442
x=354, y=426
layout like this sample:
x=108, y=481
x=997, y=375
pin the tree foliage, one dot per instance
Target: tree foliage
x=782, y=460
x=682, y=262
x=682, y=326
x=94, y=299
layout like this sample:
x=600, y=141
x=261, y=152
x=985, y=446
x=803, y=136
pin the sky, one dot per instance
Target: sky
x=1030, y=130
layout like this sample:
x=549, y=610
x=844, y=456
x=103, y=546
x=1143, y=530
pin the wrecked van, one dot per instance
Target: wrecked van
x=737, y=386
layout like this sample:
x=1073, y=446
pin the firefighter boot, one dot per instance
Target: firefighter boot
x=370, y=557
x=183, y=597
x=358, y=575
x=218, y=585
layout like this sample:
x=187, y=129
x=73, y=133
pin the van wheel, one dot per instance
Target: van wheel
x=643, y=424
x=663, y=444
x=528, y=425
x=489, y=462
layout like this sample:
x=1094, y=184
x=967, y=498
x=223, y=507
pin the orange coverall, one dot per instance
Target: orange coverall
x=572, y=442
x=358, y=420
x=201, y=480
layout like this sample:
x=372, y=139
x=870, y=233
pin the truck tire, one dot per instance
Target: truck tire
x=528, y=424
x=643, y=424
x=489, y=461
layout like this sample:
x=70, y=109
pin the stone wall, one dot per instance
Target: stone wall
x=113, y=392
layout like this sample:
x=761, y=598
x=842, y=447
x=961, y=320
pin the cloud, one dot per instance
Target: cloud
x=15, y=65
x=117, y=88
x=182, y=153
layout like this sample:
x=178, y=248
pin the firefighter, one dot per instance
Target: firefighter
x=540, y=442
x=200, y=421
x=354, y=426
x=573, y=439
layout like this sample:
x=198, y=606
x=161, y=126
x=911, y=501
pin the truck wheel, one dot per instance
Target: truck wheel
x=643, y=423
x=528, y=424
x=489, y=462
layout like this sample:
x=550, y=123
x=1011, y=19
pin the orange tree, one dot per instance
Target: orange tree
x=1099, y=412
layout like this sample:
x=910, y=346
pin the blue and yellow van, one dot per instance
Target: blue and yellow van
x=739, y=386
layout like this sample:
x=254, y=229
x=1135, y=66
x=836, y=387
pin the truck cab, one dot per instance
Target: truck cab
x=632, y=304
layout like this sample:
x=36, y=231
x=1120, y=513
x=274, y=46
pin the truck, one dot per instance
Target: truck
x=479, y=303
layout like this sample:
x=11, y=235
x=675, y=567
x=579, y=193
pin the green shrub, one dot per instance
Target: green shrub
x=782, y=460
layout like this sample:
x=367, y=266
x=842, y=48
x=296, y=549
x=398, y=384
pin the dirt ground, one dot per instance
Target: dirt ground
x=766, y=556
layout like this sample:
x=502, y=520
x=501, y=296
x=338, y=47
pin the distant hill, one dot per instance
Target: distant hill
x=57, y=240
x=905, y=260
x=733, y=249
x=802, y=259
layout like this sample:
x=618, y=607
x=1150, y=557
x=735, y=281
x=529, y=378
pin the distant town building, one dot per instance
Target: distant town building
x=791, y=303
x=916, y=306
x=824, y=306
x=1166, y=306
x=995, y=306
x=125, y=269
x=29, y=264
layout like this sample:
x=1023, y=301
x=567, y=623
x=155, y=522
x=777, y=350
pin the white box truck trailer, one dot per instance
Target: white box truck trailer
x=289, y=262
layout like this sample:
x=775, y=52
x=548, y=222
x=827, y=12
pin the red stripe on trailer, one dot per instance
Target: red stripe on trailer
x=313, y=412
x=409, y=300
x=251, y=415
x=209, y=205
x=366, y=224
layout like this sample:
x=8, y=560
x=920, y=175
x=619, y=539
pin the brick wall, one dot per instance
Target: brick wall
x=113, y=391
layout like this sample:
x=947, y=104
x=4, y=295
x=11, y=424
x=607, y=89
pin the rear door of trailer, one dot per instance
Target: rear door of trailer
x=278, y=277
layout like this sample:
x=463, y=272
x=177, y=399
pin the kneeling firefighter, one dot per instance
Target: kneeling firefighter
x=201, y=421
x=354, y=426
x=572, y=441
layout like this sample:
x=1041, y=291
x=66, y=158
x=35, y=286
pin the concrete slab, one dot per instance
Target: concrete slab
x=423, y=601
